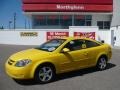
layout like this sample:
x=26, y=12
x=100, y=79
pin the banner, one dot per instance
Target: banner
x=54, y=35
x=28, y=34
x=90, y=35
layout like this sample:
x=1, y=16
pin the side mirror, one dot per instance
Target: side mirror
x=83, y=46
x=65, y=50
x=102, y=41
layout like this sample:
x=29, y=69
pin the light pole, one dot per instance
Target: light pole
x=25, y=24
x=10, y=24
x=14, y=21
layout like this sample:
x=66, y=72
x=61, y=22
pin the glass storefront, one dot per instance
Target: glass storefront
x=64, y=21
x=82, y=20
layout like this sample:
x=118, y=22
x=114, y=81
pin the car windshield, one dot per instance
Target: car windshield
x=51, y=45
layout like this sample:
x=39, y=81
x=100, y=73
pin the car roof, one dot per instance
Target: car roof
x=73, y=38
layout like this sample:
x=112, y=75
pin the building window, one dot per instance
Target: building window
x=79, y=20
x=88, y=20
x=103, y=24
x=40, y=20
x=100, y=24
x=107, y=25
x=82, y=20
x=66, y=21
x=52, y=20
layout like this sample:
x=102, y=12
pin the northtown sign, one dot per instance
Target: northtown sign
x=70, y=7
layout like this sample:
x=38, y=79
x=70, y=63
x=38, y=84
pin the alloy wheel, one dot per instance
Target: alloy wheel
x=45, y=74
x=102, y=63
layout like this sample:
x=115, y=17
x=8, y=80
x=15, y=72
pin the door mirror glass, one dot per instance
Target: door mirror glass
x=65, y=50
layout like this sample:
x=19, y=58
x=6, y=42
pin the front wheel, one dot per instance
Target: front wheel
x=102, y=63
x=45, y=74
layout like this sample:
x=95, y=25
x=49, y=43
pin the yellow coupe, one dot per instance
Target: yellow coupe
x=58, y=56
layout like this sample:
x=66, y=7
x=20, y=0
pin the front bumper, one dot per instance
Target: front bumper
x=18, y=72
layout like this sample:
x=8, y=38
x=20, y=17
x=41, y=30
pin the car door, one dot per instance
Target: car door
x=76, y=58
x=93, y=49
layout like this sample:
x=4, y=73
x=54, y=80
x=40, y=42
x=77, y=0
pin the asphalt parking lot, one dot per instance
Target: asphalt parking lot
x=87, y=79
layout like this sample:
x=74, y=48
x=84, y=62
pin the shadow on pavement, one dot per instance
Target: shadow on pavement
x=66, y=75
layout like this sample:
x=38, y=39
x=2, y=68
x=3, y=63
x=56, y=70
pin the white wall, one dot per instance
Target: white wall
x=117, y=35
x=105, y=35
x=116, y=13
x=14, y=37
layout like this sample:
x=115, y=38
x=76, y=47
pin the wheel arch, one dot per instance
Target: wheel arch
x=38, y=65
x=101, y=55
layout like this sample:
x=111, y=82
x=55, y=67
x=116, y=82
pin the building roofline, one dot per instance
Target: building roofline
x=67, y=13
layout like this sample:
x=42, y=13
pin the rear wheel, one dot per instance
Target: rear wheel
x=102, y=63
x=45, y=74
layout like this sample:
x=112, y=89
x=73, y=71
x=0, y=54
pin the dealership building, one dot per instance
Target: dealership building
x=60, y=14
x=95, y=19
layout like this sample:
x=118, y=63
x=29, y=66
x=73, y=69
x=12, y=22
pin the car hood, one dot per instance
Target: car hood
x=30, y=54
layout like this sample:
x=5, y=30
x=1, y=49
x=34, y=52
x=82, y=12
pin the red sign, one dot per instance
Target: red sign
x=90, y=35
x=54, y=35
x=67, y=8
x=69, y=1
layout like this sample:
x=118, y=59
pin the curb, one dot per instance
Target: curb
x=116, y=47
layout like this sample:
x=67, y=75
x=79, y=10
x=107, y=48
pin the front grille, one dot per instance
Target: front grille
x=10, y=62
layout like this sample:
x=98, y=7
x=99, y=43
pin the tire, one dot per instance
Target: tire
x=102, y=63
x=45, y=74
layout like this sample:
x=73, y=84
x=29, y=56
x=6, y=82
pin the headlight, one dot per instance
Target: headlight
x=22, y=63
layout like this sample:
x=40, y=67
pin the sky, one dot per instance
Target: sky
x=7, y=10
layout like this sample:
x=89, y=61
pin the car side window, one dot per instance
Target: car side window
x=74, y=45
x=90, y=44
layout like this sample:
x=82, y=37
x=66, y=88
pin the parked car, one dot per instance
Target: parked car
x=58, y=56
